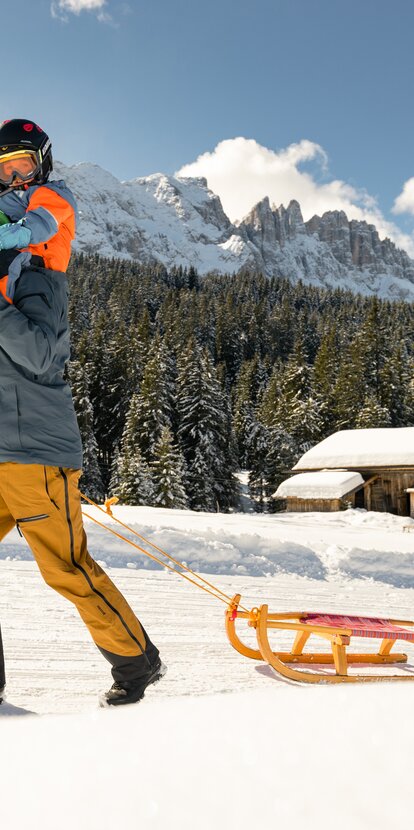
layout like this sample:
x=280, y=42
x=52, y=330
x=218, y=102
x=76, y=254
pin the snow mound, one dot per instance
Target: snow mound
x=392, y=568
x=356, y=543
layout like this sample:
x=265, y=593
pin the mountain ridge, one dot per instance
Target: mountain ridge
x=179, y=221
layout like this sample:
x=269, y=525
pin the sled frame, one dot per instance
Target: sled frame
x=338, y=637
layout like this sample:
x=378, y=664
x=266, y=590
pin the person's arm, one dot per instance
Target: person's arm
x=40, y=213
x=29, y=328
x=14, y=206
x=46, y=211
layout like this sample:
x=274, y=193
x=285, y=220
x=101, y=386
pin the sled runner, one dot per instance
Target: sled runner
x=294, y=664
x=336, y=629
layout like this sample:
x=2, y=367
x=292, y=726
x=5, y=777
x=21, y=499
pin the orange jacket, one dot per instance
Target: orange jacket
x=49, y=211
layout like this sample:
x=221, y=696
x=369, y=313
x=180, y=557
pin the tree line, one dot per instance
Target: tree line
x=180, y=381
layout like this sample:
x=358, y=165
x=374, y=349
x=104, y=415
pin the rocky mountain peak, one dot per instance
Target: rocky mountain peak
x=356, y=243
x=274, y=225
x=333, y=228
x=294, y=218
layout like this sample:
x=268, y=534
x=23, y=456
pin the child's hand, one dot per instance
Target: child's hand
x=14, y=236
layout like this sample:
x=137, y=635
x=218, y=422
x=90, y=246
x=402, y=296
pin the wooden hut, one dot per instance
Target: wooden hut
x=321, y=491
x=383, y=459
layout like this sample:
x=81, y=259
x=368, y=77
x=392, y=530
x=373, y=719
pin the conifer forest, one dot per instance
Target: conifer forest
x=179, y=382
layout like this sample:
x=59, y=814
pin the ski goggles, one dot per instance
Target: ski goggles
x=21, y=165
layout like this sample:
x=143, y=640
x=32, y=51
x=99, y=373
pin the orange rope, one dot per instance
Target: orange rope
x=163, y=552
x=218, y=593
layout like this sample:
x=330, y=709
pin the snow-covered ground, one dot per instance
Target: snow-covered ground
x=220, y=739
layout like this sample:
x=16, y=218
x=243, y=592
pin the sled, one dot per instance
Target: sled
x=336, y=629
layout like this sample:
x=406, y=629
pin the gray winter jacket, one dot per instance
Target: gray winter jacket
x=37, y=419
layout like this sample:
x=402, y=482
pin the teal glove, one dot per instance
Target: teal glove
x=14, y=236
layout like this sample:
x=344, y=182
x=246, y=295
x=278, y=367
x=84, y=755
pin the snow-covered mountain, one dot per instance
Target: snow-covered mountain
x=179, y=221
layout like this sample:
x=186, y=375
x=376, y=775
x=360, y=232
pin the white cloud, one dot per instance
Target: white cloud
x=242, y=172
x=404, y=203
x=59, y=8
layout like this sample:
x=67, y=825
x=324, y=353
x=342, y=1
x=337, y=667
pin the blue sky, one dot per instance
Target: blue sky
x=140, y=87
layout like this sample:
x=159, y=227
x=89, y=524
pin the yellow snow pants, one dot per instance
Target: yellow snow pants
x=44, y=502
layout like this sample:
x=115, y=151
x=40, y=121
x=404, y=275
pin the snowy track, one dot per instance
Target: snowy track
x=190, y=756
x=53, y=667
x=312, y=561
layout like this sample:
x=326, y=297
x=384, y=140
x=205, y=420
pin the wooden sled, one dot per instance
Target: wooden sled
x=337, y=629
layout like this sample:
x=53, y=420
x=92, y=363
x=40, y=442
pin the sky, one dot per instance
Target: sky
x=304, y=99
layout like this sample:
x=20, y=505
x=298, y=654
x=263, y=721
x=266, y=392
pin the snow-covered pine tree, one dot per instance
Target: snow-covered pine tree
x=227, y=343
x=281, y=324
x=289, y=402
x=351, y=387
x=134, y=477
x=91, y=480
x=397, y=391
x=243, y=421
x=325, y=373
x=204, y=425
x=192, y=277
x=155, y=403
x=269, y=404
x=114, y=482
x=135, y=362
x=259, y=446
x=249, y=387
x=108, y=351
x=132, y=473
x=281, y=457
x=373, y=414
x=229, y=491
x=376, y=345
x=96, y=344
x=168, y=473
x=199, y=484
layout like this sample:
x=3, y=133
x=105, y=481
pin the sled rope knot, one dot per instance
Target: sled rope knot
x=197, y=580
x=109, y=503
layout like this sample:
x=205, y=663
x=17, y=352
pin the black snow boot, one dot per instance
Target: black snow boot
x=132, y=692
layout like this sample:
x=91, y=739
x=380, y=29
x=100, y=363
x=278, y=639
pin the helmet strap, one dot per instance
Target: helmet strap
x=7, y=190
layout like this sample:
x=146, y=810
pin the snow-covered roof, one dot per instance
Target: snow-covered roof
x=362, y=448
x=322, y=485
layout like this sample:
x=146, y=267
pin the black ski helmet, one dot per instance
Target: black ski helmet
x=22, y=134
